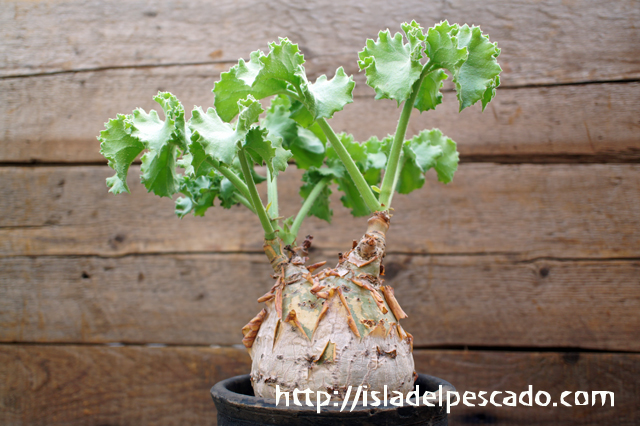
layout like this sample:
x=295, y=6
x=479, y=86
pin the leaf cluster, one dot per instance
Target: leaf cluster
x=199, y=158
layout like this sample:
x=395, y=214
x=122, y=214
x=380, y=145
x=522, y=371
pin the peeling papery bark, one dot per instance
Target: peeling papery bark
x=334, y=329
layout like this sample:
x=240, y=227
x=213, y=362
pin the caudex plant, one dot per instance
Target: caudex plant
x=339, y=326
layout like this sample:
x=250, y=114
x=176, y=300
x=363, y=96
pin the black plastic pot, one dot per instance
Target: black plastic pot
x=237, y=406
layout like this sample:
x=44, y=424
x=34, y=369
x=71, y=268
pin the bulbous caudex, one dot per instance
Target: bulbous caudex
x=336, y=328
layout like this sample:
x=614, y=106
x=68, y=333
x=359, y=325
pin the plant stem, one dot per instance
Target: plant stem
x=362, y=185
x=395, y=179
x=272, y=194
x=239, y=198
x=308, y=203
x=234, y=179
x=388, y=182
x=269, y=233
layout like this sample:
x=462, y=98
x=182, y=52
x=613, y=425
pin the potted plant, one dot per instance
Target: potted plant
x=321, y=329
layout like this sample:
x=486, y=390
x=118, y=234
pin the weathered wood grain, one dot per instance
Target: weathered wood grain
x=56, y=118
x=550, y=372
x=542, y=42
x=80, y=385
x=565, y=211
x=451, y=300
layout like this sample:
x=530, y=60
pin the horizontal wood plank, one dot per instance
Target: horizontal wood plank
x=550, y=372
x=542, y=42
x=57, y=118
x=563, y=211
x=451, y=300
x=80, y=385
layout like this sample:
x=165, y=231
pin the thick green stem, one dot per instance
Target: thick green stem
x=388, y=182
x=272, y=195
x=308, y=203
x=365, y=190
x=395, y=179
x=234, y=179
x=269, y=233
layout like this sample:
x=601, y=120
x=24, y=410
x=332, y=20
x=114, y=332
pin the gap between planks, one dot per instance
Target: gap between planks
x=421, y=348
x=515, y=257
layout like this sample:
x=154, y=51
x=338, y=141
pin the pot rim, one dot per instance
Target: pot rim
x=221, y=391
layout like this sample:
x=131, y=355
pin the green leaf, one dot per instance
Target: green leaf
x=429, y=149
x=201, y=164
x=311, y=178
x=158, y=171
x=241, y=81
x=300, y=114
x=121, y=149
x=184, y=205
x=390, y=65
x=283, y=63
x=416, y=38
x=219, y=139
x=279, y=71
x=478, y=77
x=174, y=110
x=306, y=148
x=162, y=139
x=227, y=194
x=429, y=95
x=308, y=151
x=261, y=148
x=447, y=164
x=281, y=160
x=325, y=97
x=352, y=198
x=200, y=194
x=377, y=152
x=279, y=122
x=411, y=175
x=443, y=49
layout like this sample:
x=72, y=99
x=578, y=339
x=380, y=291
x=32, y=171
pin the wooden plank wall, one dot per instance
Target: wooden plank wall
x=524, y=271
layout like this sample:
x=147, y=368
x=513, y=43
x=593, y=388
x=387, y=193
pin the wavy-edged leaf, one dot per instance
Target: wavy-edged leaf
x=311, y=178
x=429, y=149
x=158, y=171
x=443, y=49
x=162, y=139
x=279, y=122
x=390, y=66
x=262, y=76
x=326, y=97
x=352, y=198
x=200, y=194
x=227, y=194
x=377, y=152
x=307, y=149
x=121, y=149
x=269, y=151
x=240, y=82
x=283, y=62
x=416, y=38
x=218, y=138
x=429, y=95
x=479, y=76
